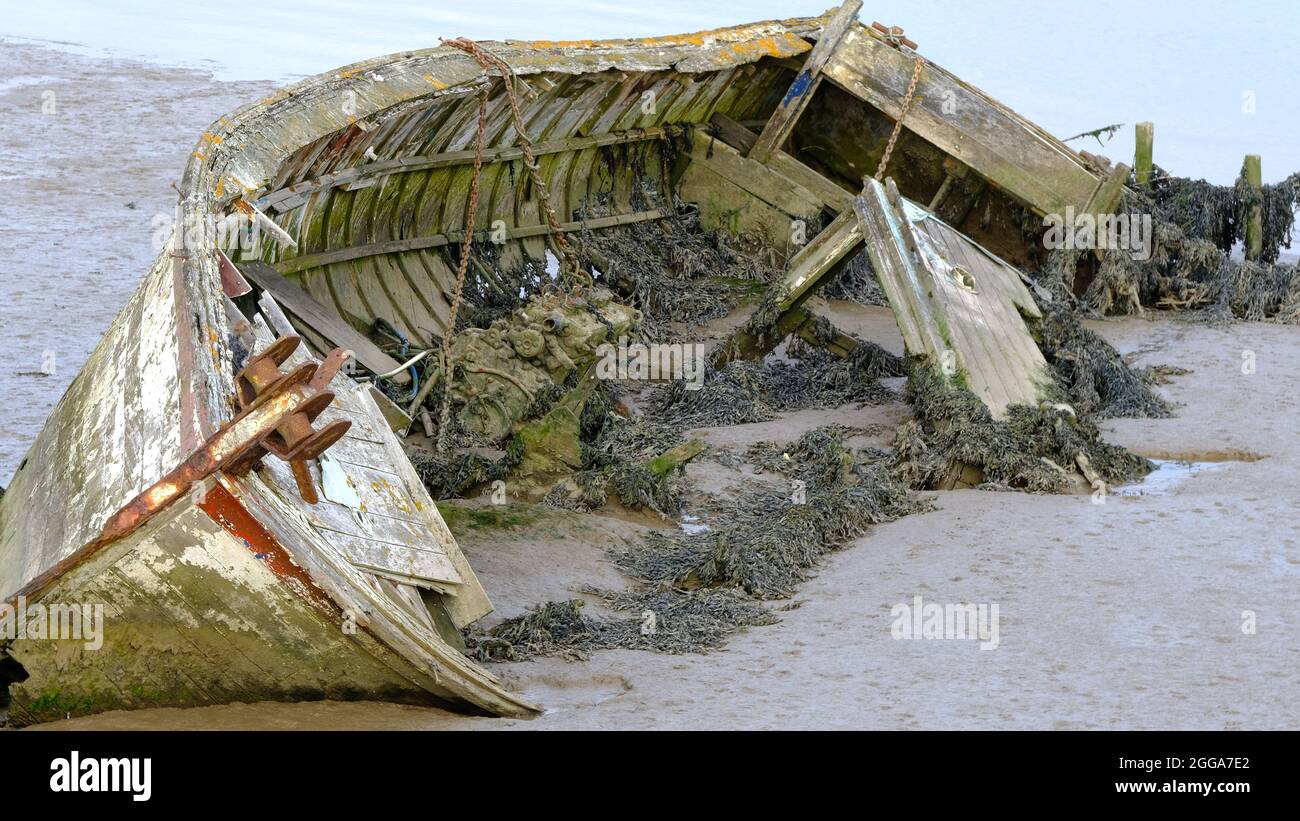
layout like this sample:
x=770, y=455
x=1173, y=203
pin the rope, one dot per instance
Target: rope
x=466, y=243
x=572, y=269
x=902, y=115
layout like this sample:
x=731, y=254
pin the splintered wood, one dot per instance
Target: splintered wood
x=957, y=305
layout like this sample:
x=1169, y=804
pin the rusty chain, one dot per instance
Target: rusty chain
x=462, y=267
x=902, y=115
x=572, y=269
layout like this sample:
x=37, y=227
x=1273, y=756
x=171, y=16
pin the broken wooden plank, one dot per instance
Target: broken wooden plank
x=739, y=137
x=777, y=316
x=1109, y=191
x=839, y=239
x=805, y=83
x=959, y=119
x=840, y=344
x=957, y=306
x=322, y=320
x=776, y=190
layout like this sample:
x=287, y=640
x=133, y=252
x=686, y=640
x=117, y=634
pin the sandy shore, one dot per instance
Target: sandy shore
x=1127, y=614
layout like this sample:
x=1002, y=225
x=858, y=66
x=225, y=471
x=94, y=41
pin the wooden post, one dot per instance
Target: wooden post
x=1251, y=168
x=1146, y=133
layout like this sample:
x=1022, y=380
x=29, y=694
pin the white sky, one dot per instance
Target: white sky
x=1070, y=68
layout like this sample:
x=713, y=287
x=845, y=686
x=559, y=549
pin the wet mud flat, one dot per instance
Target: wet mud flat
x=1127, y=614
x=90, y=149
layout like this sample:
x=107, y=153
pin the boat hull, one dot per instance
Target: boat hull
x=202, y=605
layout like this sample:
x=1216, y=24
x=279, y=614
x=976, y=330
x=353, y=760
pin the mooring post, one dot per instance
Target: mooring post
x=1145, y=134
x=1253, y=172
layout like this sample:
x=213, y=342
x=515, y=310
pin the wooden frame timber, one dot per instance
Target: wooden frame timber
x=805, y=84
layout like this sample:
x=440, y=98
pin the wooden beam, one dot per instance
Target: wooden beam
x=806, y=270
x=1144, y=138
x=302, y=263
x=1015, y=155
x=831, y=195
x=810, y=269
x=1252, y=170
x=841, y=344
x=322, y=320
x=755, y=178
x=805, y=83
x=1107, y=196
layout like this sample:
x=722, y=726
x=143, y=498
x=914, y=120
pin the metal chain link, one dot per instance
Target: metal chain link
x=902, y=115
x=572, y=269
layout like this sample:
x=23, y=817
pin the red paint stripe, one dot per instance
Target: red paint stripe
x=227, y=511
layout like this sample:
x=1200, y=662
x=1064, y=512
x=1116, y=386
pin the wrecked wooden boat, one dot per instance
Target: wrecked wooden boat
x=239, y=502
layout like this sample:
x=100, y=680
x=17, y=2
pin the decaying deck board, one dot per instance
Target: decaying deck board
x=958, y=307
x=769, y=186
x=392, y=528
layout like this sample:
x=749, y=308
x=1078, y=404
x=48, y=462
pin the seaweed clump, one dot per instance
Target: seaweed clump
x=764, y=542
x=670, y=268
x=856, y=282
x=1218, y=213
x=661, y=621
x=1091, y=372
x=1189, y=268
x=636, y=460
x=955, y=440
x=695, y=589
x=744, y=391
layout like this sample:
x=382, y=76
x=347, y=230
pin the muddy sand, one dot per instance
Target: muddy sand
x=1122, y=615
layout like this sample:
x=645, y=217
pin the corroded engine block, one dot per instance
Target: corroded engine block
x=507, y=365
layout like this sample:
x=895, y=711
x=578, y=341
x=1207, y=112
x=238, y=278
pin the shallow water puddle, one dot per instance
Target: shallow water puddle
x=1169, y=473
x=692, y=525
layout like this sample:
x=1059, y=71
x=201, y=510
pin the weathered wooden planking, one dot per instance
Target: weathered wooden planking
x=957, y=305
x=115, y=431
x=739, y=137
x=805, y=83
x=1012, y=153
x=194, y=615
x=321, y=319
x=364, y=176
x=753, y=177
x=395, y=528
x=345, y=253
x=300, y=133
